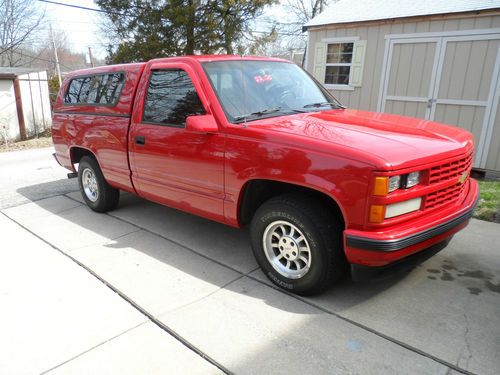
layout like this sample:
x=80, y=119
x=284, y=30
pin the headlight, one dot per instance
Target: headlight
x=412, y=179
x=394, y=183
x=385, y=185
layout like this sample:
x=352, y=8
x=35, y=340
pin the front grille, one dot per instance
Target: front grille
x=450, y=171
x=443, y=196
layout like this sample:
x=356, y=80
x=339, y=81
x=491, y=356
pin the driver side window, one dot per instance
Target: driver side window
x=170, y=98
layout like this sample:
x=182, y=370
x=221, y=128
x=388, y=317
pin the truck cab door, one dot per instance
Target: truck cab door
x=170, y=164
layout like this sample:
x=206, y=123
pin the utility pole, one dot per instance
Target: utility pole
x=58, y=68
x=90, y=57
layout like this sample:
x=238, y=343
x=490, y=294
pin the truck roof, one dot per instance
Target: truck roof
x=205, y=58
x=189, y=58
x=107, y=68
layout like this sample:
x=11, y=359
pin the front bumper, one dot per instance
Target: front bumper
x=365, y=273
x=380, y=248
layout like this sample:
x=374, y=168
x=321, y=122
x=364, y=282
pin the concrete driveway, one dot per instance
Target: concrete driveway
x=147, y=289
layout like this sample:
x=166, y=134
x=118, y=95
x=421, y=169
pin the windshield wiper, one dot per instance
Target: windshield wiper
x=241, y=118
x=323, y=104
x=257, y=113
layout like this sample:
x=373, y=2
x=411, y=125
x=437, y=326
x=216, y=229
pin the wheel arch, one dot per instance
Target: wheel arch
x=76, y=153
x=257, y=191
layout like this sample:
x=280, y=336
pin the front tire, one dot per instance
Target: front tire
x=298, y=244
x=96, y=192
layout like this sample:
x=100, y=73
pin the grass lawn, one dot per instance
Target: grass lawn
x=489, y=204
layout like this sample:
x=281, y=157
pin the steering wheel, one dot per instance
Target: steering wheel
x=282, y=92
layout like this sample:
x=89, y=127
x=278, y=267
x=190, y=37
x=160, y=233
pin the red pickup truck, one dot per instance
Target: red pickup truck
x=249, y=141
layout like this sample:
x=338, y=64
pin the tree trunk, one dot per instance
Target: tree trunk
x=228, y=46
x=228, y=38
x=190, y=43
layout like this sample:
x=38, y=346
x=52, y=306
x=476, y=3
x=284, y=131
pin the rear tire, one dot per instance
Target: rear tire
x=96, y=192
x=298, y=244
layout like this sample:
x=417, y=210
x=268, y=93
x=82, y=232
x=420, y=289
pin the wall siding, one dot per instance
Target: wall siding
x=36, y=102
x=8, y=112
x=366, y=96
x=418, y=60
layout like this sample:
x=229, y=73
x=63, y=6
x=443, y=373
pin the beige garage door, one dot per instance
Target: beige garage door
x=410, y=81
x=451, y=79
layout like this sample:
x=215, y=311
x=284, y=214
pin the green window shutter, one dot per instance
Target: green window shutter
x=358, y=59
x=319, y=62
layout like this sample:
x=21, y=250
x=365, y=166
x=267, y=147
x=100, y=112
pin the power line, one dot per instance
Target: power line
x=80, y=31
x=72, y=22
x=124, y=14
x=277, y=32
x=39, y=58
x=83, y=8
x=138, y=7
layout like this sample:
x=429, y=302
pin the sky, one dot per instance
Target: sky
x=82, y=26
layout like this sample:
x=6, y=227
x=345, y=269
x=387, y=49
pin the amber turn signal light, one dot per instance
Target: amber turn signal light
x=377, y=213
x=381, y=186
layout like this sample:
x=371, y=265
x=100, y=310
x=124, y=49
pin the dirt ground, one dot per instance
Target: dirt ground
x=44, y=140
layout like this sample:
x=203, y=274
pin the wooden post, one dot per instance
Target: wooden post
x=91, y=58
x=58, y=68
x=19, y=107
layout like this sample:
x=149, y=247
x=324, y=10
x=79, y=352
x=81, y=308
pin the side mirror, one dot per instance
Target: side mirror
x=201, y=124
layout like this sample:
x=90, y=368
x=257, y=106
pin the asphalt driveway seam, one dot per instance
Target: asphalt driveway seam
x=357, y=324
x=42, y=199
x=93, y=347
x=312, y=304
x=368, y=329
x=203, y=297
x=157, y=322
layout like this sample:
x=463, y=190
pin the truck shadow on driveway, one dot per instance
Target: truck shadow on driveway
x=200, y=278
x=39, y=191
x=88, y=236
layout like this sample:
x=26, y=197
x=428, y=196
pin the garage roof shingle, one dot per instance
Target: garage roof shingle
x=347, y=11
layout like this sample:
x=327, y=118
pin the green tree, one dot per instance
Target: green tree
x=53, y=89
x=144, y=29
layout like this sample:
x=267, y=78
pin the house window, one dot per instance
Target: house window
x=338, y=63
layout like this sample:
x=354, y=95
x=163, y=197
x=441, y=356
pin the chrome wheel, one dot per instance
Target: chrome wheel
x=89, y=184
x=286, y=249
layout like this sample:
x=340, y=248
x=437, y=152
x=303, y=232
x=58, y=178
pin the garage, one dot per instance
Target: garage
x=24, y=103
x=437, y=61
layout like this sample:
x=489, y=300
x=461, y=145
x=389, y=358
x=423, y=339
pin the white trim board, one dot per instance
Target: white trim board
x=330, y=86
x=417, y=99
x=449, y=33
x=341, y=39
x=487, y=131
x=387, y=55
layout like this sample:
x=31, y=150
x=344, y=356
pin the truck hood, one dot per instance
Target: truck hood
x=388, y=141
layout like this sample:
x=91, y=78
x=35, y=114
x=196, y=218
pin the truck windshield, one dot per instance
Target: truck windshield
x=253, y=89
